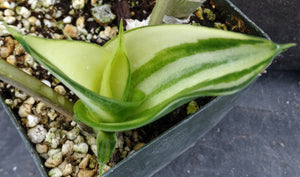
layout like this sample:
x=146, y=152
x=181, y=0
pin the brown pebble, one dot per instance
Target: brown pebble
x=11, y=60
x=138, y=146
x=7, y=48
x=71, y=31
x=86, y=173
x=85, y=161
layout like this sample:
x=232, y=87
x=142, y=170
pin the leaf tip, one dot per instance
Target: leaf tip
x=283, y=47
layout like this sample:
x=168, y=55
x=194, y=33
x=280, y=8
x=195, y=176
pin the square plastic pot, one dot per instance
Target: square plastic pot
x=162, y=150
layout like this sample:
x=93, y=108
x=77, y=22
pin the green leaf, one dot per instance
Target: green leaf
x=174, y=8
x=169, y=66
x=116, y=77
x=106, y=143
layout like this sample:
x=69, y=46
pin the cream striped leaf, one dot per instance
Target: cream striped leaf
x=158, y=67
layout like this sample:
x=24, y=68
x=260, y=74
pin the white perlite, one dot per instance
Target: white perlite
x=78, y=4
x=81, y=148
x=32, y=121
x=53, y=137
x=55, y=172
x=37, y=134
x=55, y=158
x=67, y=148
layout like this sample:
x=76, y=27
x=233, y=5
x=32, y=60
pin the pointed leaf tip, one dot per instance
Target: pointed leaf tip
x=283, y=47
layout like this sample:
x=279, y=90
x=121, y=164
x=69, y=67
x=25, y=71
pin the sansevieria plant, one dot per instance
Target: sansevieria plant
x=145, y=73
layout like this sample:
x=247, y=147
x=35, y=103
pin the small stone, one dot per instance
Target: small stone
x=71, y=31
x=8, y=101
x=28, y=60
x=110, y=32
x=24, y=110
x=7, y=48
x=55, y=158
x=68, y=169
x=72, y=134
x=67, y=19
x=48, y=23
x=40, y=108
x=20, y=94
x=23, y=11
x=41, y=148
x=91, y=140
x=79, y=140
x=47, y=3
x=55, y=172
x=37, y=134
x=12, y=60
x=85, y=161
x=86, y=173
x=80, y=22
x=139, y=146
x=78, y=156
x=44, y=155
x=60, y=89
x=53, y=137
x=9, y=20
x=81, y=148
x=33, y=3
x=7, y=4
x=78, y=4
x=32, y=121
x=30, y=101
x=25, y=23
x=32, y=20
x=18, y=49
x=103, y=14
x=52, y=114
x=94, y=149
x=9, y=12
x=62, y=165
x=67, y=148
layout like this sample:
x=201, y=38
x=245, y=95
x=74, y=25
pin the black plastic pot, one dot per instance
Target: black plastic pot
x=155, y=155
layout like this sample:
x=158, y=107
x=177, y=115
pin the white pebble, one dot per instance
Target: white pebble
x=67, y=19
x=47, y=3
x=55, y=172
x=55, y=158
x=9, y=12
x=68, y=169
x=32, y=121
x=94, y=148
x=46, y=82
x=78, y=4
x=9, y=20
x=53, y=137
x=41, y=148
x=37, y=134
x=81, y=148
x=24, y=12
x=72, y=134
x=67, y=148
x=25, y=23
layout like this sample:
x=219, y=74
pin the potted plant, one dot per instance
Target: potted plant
x=117, y=91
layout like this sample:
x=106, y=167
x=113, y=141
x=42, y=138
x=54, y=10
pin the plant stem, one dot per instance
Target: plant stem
x=35, y=88
x=158, y=12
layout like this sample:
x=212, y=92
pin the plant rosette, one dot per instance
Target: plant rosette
x=145, y=73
